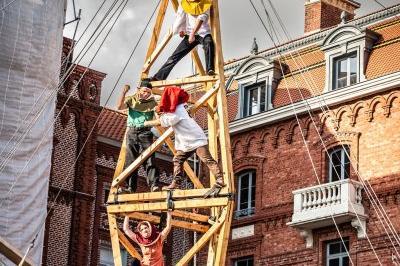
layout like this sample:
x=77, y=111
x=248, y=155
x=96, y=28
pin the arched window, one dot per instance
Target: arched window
x=246, y=187
x=338, y=163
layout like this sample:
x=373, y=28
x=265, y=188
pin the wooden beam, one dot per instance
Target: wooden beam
x=153, y=57
x=12, y=253
x=224, y=137
x=156, y=30
x=203, y=240
x=195, y=180
x=142, y=158
x=128, y=246
x=177, y=223
x=162, y=206
x=112, y=221
x=184, y=81
x=175, y=4
x=190, y=215
x=162, y=195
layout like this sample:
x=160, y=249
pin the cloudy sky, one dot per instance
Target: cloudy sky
x=239, y=26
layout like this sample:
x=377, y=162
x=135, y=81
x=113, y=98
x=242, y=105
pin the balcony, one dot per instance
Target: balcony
x=317, y=206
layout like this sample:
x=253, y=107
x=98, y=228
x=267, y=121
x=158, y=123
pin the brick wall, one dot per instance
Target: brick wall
x=278, y=155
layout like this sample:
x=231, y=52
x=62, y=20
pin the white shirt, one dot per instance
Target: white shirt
x=186, y=23
x=188, y=134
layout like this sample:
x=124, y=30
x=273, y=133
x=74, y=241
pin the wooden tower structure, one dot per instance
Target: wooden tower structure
x=214, y=226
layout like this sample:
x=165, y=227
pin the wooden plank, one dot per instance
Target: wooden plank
x=184, y=81
x=156, y=31
x=162, y=206
x=177, y=223
x=190, y=215
x=142, y=158
x=12, y=253
x=128, y=246
x=162, y=195
x=175, y=4
x=195, y=180
x=224, y=137
x=112, y=221
x=153, y=57
x=203, y=240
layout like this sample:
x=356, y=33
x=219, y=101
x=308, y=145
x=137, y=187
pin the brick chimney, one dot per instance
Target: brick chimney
x=322, y=14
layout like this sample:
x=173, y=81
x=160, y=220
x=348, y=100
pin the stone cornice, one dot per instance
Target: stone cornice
x=331, y=98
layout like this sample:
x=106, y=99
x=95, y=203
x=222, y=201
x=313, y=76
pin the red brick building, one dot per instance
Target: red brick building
x=342, y=80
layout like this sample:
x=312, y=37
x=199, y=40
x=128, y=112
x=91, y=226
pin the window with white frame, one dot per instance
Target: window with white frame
x=255, y=99
x=244, y=261
x=246, y=194
x=345, y=71
x=347, y=49
x=336, y=254
x=338, y=163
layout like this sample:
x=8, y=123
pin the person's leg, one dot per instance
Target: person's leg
x=152, y=175
x=178, y=161
x=183, y=49
x=132, y=152
x=205, y=157
x=209, y=52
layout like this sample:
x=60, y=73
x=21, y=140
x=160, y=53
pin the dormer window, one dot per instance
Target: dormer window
x=257, y=78
x=347, y=50
x=345, y=71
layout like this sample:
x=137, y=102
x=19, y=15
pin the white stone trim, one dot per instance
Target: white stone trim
x=335, y=97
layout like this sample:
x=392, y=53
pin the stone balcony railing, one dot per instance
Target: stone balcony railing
x=317, y=206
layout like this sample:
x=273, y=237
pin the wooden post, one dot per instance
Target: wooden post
x=224, y=137
x=113, y=226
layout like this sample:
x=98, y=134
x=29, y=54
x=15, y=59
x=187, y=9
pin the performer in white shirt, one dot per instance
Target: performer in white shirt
x=189, y=136
x=191, y=23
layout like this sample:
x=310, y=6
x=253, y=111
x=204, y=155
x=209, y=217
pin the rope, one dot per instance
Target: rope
x=116, y=83
x=321, y=107
x=7, y=5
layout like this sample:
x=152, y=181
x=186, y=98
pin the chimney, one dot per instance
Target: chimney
x=322, y=14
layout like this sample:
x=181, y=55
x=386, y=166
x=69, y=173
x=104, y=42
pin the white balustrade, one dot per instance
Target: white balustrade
x=315, y=206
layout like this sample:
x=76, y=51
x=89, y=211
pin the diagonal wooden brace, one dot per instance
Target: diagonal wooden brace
x=203, y=240
x=142, y=158
x=128, y=246
x=153, y=57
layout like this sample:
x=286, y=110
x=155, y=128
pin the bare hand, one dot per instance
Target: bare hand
x=126, y=88
x=181, y=34
x=191, y=38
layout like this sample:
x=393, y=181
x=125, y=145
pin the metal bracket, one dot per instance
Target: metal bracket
x=170, y=202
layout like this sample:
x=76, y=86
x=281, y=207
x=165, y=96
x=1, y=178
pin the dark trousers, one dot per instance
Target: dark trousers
x=137, y=140
x=204, y=155
x=183, y=49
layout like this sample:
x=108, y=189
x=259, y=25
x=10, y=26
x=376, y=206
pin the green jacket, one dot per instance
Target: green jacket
x=139, y=110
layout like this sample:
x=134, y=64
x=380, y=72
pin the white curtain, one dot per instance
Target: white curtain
x=30, y=58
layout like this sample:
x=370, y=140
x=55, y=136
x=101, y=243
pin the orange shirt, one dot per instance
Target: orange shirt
x=152, y=254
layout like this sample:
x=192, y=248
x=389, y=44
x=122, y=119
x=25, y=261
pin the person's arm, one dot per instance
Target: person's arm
x=179, y=26
x=164, y=233
x=128, y=231
x=121, y=100
x=199, y=21
x=152, y=123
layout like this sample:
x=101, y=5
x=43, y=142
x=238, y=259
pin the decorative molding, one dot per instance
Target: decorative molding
x=332, y=98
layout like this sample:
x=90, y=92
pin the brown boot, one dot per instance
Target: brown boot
x=219, y=182
x=173, y=185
